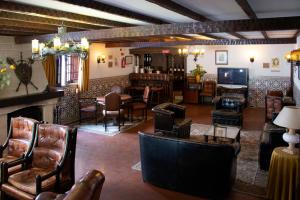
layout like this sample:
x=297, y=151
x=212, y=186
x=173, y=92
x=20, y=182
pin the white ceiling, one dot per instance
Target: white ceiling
x=212, y=9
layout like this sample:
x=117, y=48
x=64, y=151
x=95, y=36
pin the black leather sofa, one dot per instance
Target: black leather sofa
x=183, y=165
x=170, y=119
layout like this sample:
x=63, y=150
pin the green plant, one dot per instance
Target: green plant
x=4, y=74
x=199, y=70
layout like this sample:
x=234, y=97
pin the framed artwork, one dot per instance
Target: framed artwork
x=128, y=60
x=275, y=65
x=221, y=57
x=220, y=131
x=110, y=64
x=266, y=65
x=110, y=57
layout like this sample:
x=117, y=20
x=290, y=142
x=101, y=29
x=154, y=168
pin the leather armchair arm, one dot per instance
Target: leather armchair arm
x=237, y=148
x=163, y=111
x=5, y=166
x=39, y=179
x=183, y=123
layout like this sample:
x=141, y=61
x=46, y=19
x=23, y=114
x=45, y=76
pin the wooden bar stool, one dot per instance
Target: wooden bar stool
x=155, y=91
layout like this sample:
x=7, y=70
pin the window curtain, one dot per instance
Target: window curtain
x=49, y=67
x=83, y=76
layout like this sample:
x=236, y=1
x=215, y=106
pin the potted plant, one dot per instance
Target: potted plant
x=198, y=72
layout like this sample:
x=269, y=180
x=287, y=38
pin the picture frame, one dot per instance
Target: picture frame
x=220, y=131
x=128, y=60
x=221, y=57
x=275, y=67
x=110, y=64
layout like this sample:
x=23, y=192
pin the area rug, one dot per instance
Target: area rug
x=112, y=129
x=249, y=179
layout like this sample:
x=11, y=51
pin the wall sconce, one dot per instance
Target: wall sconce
x=252, y=56
x=183, y=51
x=101, y=59
x=288, y=57
x=197, y=53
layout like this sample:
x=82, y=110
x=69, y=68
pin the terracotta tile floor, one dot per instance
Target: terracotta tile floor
x=116, y=155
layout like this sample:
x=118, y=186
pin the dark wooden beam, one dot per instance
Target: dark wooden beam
x=29, y=31
x=265, y=24
x=115, y=10
x=47, y=21
x=205, y=42
x=50, y=13
x=244, y=4
x=297, y=33
x=171, y=5
x=13, y=33
x=20, y=24
x=237, y=35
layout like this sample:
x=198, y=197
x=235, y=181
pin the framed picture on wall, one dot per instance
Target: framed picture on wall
x=128, y=60
x=221, y=57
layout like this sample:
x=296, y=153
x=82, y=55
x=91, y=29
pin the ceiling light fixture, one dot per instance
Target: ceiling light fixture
x=58, y=47
x=196, y=53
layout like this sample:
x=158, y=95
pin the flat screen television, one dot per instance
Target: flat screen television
x=233, y=76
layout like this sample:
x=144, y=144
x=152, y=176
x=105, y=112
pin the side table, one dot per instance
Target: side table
x=283, y=179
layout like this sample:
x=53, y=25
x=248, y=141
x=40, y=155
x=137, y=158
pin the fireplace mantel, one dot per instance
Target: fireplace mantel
x=46, y=101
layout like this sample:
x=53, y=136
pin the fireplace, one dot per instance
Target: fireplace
x=34, y=112
x=37, y=106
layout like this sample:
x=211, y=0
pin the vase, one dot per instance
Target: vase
x=198, y=78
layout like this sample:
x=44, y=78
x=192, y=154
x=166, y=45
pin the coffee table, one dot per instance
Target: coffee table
x=223, y=131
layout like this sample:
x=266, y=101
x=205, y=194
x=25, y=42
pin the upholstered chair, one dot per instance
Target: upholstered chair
x=88, y=188
x=141, y=104
x=208, y=90
x=43, y=169
x=88, y=106
x=112, y=108
x=19, y=142
x=117, y=89
x=273, y=105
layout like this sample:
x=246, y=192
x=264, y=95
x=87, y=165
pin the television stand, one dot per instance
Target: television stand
x=233, y=91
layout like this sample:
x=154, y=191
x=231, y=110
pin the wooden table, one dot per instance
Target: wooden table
x=124, y=98
x=283, y=178
x=230, y=132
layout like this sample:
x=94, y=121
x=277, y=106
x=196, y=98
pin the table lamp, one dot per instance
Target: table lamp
x=289, y=117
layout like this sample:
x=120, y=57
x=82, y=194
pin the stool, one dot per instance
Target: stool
x=155, y=91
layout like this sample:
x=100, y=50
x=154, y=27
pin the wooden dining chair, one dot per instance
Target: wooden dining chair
x=112, y=108
x=141, y=104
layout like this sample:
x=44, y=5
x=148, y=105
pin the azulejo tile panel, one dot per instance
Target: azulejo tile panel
x=68, y=105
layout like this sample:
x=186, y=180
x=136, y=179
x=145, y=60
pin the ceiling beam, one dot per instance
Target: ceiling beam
x=15, y=24
x=47, y=21
x=26, y=30
x=13, y=33
x=207, y=42
x=64, y=16
x=114, y=10
x=297, y=33
x=175, y=7
x=244, y=4
x=263, y=24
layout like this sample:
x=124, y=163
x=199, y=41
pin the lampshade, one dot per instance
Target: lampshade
x=295, y=55
x=289, y=117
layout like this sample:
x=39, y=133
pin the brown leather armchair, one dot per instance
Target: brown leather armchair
x=19, y=142
x=87, y=188
x=44, y=169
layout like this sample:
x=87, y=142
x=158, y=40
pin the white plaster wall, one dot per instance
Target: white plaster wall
x=8, y=48
x=296, y=79
x=239, y=55
x=102, y=70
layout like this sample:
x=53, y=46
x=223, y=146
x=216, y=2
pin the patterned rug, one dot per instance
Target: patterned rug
x=249, y=179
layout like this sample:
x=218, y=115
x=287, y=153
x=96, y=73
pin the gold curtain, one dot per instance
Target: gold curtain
x=83, y=77
x=49, y=67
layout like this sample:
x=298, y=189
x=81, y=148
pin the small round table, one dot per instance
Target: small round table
x=283, y=179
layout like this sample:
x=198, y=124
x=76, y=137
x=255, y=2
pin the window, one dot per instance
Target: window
x=67, y=69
